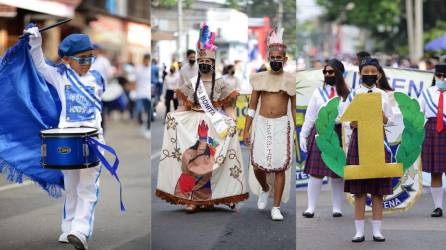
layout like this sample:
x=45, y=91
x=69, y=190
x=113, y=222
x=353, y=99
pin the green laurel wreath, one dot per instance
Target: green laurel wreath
x=413, y=133
x=327, y=139
x=411, y=141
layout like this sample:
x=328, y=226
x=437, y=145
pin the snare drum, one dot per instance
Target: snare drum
x=67, y=148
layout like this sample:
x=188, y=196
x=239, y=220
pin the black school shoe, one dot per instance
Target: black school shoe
x=308, y=215
x=358, y=239
x=438, y=212
x=378, y=238
x=337, y=214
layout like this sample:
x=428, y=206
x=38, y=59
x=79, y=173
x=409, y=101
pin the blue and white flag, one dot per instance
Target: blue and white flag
x=29, y=105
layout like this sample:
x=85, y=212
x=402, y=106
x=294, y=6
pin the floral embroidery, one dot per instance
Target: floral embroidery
x=220, y=160
x=232, y=130
x=171, y=123
x=235, y=171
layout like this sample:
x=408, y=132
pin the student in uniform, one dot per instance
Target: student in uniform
x=80, y=90
x=433, y=154
x=334, y=85
x=377, y=188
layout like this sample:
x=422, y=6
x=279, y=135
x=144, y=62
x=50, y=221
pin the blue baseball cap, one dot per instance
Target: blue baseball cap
x=75, y=43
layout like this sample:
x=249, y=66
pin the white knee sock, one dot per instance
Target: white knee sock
x=337, y=194
x=376, y=226
x=314, y=189
x=359, y=226
x=437, y=196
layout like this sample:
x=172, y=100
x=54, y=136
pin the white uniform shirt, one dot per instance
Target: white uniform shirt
x=188, y=72
x=172, y=81
x=386, y=107
x=429, y=102
x=71, y=108
x=320, y=97
x=142, y=74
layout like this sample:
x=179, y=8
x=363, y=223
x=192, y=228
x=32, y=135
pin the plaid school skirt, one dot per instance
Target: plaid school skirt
x=314, y=165
x=379, y=186
x=433, y=154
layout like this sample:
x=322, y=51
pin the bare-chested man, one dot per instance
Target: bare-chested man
x=271, y=138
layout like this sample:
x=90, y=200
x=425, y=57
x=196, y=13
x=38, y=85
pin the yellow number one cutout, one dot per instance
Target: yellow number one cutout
x=366, y=109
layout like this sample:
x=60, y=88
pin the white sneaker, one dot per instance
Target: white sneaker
x=63, y=238
x=78, y=240
x=276, y=214
x=263, y=200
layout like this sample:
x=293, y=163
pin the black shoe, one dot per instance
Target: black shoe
x=438, y=212
x=337, y=214
x=308, y=215
x=358, y=239
x=378, y=238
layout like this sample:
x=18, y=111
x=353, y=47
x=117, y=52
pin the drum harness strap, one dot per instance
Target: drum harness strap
x=94, y=145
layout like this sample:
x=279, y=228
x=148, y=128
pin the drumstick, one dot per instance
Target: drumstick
x=48, y=27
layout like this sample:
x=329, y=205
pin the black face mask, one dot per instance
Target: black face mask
x=330, y=80
x=369, y=80
x=276, y=65
x=172, y=71
x=204, y=68
x=191, y=62
x=231, y=73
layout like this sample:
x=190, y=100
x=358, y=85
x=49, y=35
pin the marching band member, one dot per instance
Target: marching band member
x=274, y=98
x=434, y=145
x=79, y=90
x=334, y=85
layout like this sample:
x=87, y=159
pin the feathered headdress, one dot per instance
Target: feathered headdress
x=205, y=44
x=275, y=41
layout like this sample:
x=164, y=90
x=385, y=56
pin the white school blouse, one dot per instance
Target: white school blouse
x=320, y=97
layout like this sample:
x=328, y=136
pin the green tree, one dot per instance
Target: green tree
x=383, y=18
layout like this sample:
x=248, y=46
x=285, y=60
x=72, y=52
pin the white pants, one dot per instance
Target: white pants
x=81, y=197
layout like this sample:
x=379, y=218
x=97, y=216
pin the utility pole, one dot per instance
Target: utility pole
x=418, y=29
x=410, y=28
x=180, y=28
x=415, y=29
x=280, y=15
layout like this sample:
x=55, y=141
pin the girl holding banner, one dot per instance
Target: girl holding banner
x=334, y=85
x=433, y=154
x=201, y=163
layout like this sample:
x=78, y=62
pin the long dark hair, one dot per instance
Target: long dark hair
x=341, y=86
x=383, y=83
x=197, y=84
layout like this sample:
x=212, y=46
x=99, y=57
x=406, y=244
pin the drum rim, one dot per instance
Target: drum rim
x=94, y=132
x=70, y=167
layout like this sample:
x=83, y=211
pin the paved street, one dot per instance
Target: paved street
x=222, y=228
x=30, y=219
x=414, y=229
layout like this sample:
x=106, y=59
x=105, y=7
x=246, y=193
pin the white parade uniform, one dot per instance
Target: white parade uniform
x=81, y=186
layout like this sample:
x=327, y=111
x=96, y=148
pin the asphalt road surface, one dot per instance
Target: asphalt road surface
x=414, y=229
x=30, y=219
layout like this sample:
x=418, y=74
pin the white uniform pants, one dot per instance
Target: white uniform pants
x=81, y=197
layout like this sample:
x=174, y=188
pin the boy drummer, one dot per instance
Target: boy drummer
x=80, y=90
x=271, y=148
